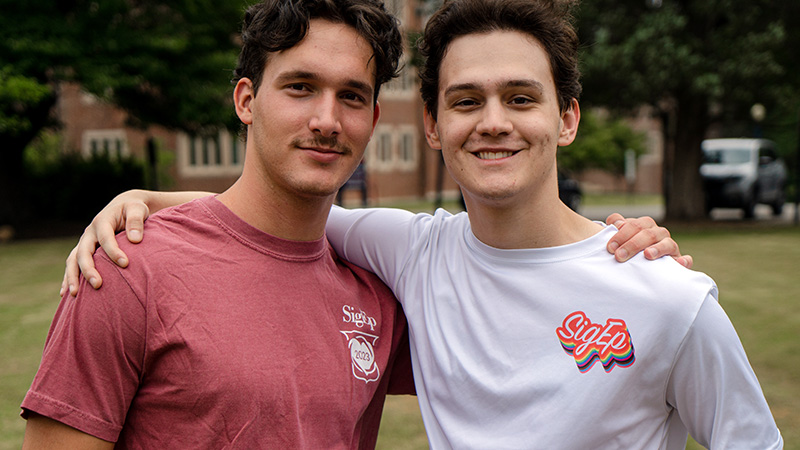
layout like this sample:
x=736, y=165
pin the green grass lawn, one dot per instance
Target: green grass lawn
x=755, y=268
x=604, y=199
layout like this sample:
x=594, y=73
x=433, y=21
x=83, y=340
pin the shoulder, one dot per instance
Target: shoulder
x=666, y=273
x=441, y=222
x=187, y=223
x=405, y=227
x=664, y=287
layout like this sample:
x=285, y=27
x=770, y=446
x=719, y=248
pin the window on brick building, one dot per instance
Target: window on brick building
x=220, y=154
x=393, y=148
x=111, y=142
x=404, y=86
x=407, y=147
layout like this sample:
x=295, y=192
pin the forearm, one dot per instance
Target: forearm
x=44, y=433
x=157, y=200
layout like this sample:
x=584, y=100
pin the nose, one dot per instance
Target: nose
x=325, y=117
x=494, y=120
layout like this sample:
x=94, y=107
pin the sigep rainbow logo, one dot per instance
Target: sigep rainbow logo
x=590, y=342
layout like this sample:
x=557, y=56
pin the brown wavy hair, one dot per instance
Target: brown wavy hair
x=275, y=25
x=549, y=21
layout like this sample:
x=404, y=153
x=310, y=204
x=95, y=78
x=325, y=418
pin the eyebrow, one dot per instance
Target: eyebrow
x=357, y=85
x=533, y=84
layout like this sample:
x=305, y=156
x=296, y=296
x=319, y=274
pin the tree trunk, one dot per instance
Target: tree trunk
x=14, y=205
x=684, y=132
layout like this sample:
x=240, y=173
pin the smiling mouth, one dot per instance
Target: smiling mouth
x=494, y=155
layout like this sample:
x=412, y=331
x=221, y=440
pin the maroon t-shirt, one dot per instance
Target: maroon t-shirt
x=219, y=335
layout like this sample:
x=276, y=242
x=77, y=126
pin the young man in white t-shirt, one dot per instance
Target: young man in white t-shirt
x=525, y=333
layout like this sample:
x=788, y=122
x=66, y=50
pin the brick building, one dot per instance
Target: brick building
x=399, y=164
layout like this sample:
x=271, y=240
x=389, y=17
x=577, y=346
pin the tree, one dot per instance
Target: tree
x=166, y=63
x=696, y=62
x=601, y=143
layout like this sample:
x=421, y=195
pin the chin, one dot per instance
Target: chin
x=318, y=190
x=493, y=193
x=494, y=198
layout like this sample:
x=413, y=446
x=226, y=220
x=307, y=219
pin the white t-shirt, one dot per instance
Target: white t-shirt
x=558, y=347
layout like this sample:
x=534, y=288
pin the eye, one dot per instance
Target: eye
x=352, y=97
x=465, y=103
x=521, y=100
x=297, y=87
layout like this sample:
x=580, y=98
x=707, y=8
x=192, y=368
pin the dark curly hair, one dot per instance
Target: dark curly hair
x=549, y=21
x=275, y=25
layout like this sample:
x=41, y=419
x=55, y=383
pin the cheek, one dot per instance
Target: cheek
x=546, y=135
x=277, y=116
x=453, y=134
x=358, y=127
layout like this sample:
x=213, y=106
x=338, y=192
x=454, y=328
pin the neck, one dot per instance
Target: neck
x=278, y=213
x=528, y=223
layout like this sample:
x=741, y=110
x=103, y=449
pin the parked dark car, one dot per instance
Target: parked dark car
x=569, y=190
x=740, y=173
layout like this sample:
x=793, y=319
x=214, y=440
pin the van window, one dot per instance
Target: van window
x=727, y=156
x=766, y=154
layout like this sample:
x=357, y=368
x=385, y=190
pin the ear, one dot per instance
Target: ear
x=376, y=114
x=569, y=124
x=431, y=130
x=243, y=94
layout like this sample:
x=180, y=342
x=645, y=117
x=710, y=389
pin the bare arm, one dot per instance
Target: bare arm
x=129, y=210
x=45, y=433
x=126, y=211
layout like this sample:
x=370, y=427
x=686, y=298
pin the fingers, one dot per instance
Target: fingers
x=614, y=218
x=686, y=261
x=664, y=248
x=70, y=281
x=643, y=234
x=126, y=209
x=135, y=216
x=634, y=236
x=104, y=228
x=85, y=262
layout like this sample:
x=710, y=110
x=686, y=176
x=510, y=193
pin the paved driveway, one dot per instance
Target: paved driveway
x=763, y=212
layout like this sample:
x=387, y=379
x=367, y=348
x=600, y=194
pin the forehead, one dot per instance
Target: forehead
x=330, y=51
x=494, y=58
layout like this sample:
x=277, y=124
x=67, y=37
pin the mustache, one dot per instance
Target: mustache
x=322, y=141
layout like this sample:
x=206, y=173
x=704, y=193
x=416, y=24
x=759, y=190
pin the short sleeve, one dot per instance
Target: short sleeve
x=92, y=358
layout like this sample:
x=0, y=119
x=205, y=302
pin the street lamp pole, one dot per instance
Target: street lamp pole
x=758, y=112
x=797, y=175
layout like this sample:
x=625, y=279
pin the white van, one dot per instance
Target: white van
x=740, y=173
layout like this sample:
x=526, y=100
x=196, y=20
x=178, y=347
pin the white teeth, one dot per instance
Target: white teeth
x=494, y=155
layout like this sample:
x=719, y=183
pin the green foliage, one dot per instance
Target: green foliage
x=601, y=143
x=44, y=151
x=17, y=93
x=166, y=63
x=726, y=52
x=697, y=63
x=164, y=160
x=67, y=187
